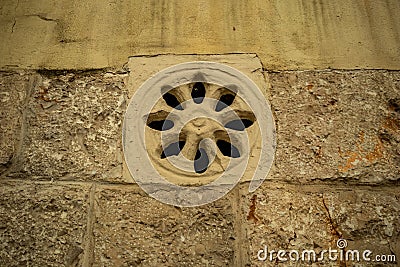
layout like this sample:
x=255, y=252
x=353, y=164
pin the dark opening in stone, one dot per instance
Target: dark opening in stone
x=161, y=125
x=224, y=101
x=227, y=149
x=201, y=161
x=198, y=92
x=173, y=149
x=239, y=125
x=172, y=101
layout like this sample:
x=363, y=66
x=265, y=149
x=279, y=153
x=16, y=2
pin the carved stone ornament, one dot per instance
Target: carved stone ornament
x=190, y=132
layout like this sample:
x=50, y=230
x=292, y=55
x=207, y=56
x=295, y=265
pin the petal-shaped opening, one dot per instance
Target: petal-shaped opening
x=172, y=101
x=198, y=92
x=224, y=101
x=201, y=161
x=173, y=149
x=239, y=125
x=227, y=149
x=161, y=125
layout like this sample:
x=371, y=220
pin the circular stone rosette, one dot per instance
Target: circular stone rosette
x=191, y=130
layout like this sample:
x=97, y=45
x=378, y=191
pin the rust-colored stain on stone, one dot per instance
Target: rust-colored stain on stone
x=360, y=155
x=376, y=154
x=392, y=122
x=333, y=226
x=252, y=212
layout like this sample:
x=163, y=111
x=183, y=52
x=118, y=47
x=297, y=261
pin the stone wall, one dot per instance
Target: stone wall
x=66, y=202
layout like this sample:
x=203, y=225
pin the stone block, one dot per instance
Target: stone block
x=337, y=126
x=13, y=93
x=42, y=224
x=280, y=218
x=286, y=217
x=74, y=127
x=368, y=220
x=133, y=229
x=144, y=67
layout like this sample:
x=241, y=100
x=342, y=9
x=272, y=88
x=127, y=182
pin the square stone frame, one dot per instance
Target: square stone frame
x=141, y=68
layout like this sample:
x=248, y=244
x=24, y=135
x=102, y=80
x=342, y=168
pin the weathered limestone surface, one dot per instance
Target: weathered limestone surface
x=284, y=217
x=74, y=127
x=14, y=88
x=297, y=35
x=42, y=224
x=280, y=218
x=133, y=229
x=247, y=63
x=337, y=126
x=368, y=219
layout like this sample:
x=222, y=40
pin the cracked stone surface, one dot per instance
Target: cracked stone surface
x=42, y=224
x=133, y=229
x=288, y=217
x=337, y=126
x=13, y=94
x=74, y=127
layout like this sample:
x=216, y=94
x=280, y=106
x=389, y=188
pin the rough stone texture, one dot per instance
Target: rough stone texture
x=133, y=229
x=299, y=35
x=13, y=93
x=368, y=219
x=74, y=127
x=144, y=67
x=280, y=218
x=42, y=224
x=291, y=217
x=336, y=125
